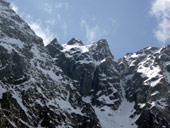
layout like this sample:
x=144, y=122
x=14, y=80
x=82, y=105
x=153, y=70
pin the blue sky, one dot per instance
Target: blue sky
x=128, y=25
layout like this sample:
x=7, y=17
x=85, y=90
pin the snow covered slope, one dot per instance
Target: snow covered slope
x=120, y=118
x=147, y=75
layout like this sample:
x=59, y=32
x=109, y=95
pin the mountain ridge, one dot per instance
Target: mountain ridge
x=72, y=85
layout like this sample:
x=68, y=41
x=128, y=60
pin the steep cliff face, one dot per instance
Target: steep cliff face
x=147, y=77
x=73, y=85
x=92, y=67
x=52, y=86
x=34, y=92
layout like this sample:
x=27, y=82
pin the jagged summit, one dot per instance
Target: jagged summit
x=54, y=41
x=102, y=42
x=101, y=50
x=54, y=47
x=75, y=41
x=55, y=44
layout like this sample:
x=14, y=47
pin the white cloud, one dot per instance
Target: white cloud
x=58, y=16
x=51, y=22
x=92, y=33
x=44, y=33
x=65, y=29
x=48, y=8
x=28, y=16
x=62, y=5
x=40, y=31
x=161, y=10
x=14, y=7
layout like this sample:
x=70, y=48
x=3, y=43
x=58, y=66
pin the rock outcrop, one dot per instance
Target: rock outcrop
x=147, y=78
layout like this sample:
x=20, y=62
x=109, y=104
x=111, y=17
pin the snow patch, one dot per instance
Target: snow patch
x=20, y=103
x=66, y=106
x=161, y=103
x=141, y=105
x=155, y=93
x=87, y=99
x=80, y=47
x=117, y=118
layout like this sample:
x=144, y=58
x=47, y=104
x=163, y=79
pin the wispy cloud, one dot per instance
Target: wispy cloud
x=44, y=33
x=41, y=31
x=92, y=33
x=62, y=5
x=14, y=7
x=65, y=29
x=48, y=8
x=161, y=10
x=58, y=16
x=51, y=22
x=45, y=28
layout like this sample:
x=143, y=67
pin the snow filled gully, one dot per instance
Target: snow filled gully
x=119, y=118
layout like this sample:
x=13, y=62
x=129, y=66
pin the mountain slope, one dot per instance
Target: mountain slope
x=146, y=75
x=94, y=70
x=34, y=91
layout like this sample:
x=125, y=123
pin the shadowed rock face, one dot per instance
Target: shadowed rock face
x=76, y=86
x=92, y=69
x=147, y=83
x=75, y=41
x=34, y=91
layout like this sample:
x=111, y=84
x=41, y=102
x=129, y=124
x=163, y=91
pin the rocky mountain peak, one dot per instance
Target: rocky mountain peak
x=75, y=41
x=54, y=41
x=100, y=50
x=54, y=47
x=12, y=26
x=103, y=42
x=55, y=44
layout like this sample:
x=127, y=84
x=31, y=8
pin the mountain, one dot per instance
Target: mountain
x=147, y=77
x=73, y=85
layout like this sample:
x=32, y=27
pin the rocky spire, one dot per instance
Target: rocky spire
x=101, y=50
x=75, y=41
x=54, y=47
